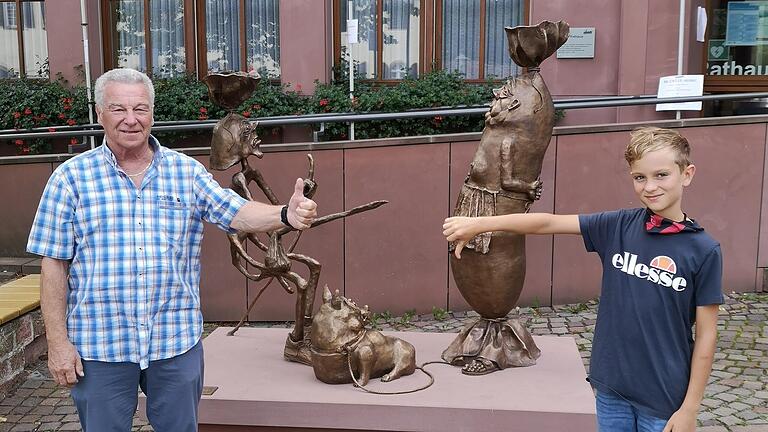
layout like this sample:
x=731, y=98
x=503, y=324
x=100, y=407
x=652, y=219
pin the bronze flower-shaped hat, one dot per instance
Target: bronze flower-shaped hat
x=531, y=45
x=230, y=89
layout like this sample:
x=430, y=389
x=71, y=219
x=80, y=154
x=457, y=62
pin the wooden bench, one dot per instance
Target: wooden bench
x=22, y=333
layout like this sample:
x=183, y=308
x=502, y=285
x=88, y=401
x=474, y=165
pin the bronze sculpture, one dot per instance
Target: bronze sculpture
x=342, y=347
x=503, y=179
x=234, y=140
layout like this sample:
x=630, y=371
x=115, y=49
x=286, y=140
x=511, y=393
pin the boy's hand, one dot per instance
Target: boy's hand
x=681, y=421
x=460, y=230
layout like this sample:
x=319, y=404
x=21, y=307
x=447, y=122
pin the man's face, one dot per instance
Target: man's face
x=126, y=116
x=659, y=182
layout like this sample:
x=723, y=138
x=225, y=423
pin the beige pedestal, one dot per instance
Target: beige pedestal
x=259, y=391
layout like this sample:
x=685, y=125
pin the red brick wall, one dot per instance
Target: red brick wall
x=22, y=341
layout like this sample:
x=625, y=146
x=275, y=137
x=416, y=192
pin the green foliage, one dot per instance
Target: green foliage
x=439, y=314
x=26, y=103
x=407, y=318
x=34, y=103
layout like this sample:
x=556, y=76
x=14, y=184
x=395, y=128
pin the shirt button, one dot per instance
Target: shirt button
x=139, y=223
x=140, y=249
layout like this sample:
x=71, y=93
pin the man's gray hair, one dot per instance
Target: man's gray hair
x=124, y=76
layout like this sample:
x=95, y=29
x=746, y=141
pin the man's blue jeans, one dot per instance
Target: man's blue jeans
x=107, y=395
x=615, y=414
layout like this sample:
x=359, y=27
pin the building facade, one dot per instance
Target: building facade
x=300, y=41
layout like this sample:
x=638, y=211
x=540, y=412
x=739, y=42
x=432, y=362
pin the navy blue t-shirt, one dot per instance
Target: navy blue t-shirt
x=652, y=284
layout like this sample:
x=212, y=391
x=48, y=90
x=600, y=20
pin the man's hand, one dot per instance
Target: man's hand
x=682, y=421
x=460, y=230
x=301, y=210
x=64, y=363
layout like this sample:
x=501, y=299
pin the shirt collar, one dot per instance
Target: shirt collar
x=154, y=144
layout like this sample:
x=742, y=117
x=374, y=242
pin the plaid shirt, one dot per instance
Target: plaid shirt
x=135, y=252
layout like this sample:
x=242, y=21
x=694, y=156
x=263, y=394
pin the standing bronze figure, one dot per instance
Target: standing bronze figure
x=234, y=140
x=503, y=179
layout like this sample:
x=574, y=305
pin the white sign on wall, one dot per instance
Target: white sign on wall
x=580, y=44
x=680, y=86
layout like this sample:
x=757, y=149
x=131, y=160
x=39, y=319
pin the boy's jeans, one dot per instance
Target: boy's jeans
x=614, y=414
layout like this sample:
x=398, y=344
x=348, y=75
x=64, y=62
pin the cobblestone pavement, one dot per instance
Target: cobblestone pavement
x=736, y=398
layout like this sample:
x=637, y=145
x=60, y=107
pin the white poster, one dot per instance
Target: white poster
x=352, y=31
x=680, y=86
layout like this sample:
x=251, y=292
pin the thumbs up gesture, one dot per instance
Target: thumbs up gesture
x=302, y=211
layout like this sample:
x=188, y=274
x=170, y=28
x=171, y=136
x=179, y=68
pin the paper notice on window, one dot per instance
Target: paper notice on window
x=747, y=23
x=352, y=31
x=680, y=86
x=701, y=23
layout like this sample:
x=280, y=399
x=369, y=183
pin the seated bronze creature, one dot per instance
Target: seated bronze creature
x=342, y=345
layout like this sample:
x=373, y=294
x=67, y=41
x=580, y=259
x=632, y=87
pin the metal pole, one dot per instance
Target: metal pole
x=680, y=43
x=87, y=65
x=351, y=74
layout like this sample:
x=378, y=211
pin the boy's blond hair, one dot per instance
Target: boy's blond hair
x=646, y=139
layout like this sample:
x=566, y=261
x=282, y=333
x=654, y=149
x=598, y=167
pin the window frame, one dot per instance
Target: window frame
x=431, y=34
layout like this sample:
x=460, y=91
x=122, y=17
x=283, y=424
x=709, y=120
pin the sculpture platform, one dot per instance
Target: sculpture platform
x=257, y=390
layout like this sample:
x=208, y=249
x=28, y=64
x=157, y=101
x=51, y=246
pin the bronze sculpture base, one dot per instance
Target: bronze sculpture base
x=488, y=345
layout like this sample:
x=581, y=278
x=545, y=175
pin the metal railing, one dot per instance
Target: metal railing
x=322, y=119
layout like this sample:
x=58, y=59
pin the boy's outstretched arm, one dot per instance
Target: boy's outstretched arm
x=684, y=419
x=462, y=229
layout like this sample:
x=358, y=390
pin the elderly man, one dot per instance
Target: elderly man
x=119, y=228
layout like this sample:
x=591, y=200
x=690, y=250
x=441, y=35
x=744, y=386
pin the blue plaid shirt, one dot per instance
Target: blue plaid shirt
x=134, y=276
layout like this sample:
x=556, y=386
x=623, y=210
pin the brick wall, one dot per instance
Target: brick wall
x=22, y=341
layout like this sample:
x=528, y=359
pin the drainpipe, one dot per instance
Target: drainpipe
x=87, y=65
x=680, y=43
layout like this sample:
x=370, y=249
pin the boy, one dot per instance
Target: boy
x=661, y=274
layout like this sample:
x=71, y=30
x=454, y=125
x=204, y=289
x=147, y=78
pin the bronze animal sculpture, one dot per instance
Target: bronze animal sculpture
x=342, y=346
x=234, y=140
x=503, y=179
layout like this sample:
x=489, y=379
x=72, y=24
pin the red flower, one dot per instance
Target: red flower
x=203, y=110
x=25, y=150
x=19, y=142
x=16, y=115
x=323, y=102
x=67, y=107
x=62, y=116
x=71, y=122
x=66, y=100
x=202, y=117
x=298, y=88
x=27, y=111
x=73, y=141
x=246, y=113
x=51, y=129
x=438, y=119
x=257, y=107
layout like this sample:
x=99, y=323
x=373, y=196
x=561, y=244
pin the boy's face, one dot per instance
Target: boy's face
x=659, y=182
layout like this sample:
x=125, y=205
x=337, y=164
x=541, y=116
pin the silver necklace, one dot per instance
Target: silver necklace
x=140, y=172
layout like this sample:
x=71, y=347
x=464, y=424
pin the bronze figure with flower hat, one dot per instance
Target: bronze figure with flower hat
x=504, y=178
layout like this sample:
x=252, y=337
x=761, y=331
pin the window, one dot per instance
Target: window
x=229, y=35
x=242, y=35
x=129, y=44
x=395, y=36
x=736, y=48
x=388, y=35
x=23, y=49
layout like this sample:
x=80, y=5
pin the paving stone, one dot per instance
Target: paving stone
x=70, y=427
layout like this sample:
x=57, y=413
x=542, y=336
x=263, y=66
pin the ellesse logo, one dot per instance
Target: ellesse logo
x=661, y=270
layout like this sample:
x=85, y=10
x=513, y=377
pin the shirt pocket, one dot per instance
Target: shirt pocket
x=173, y=227
x=87, y=225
